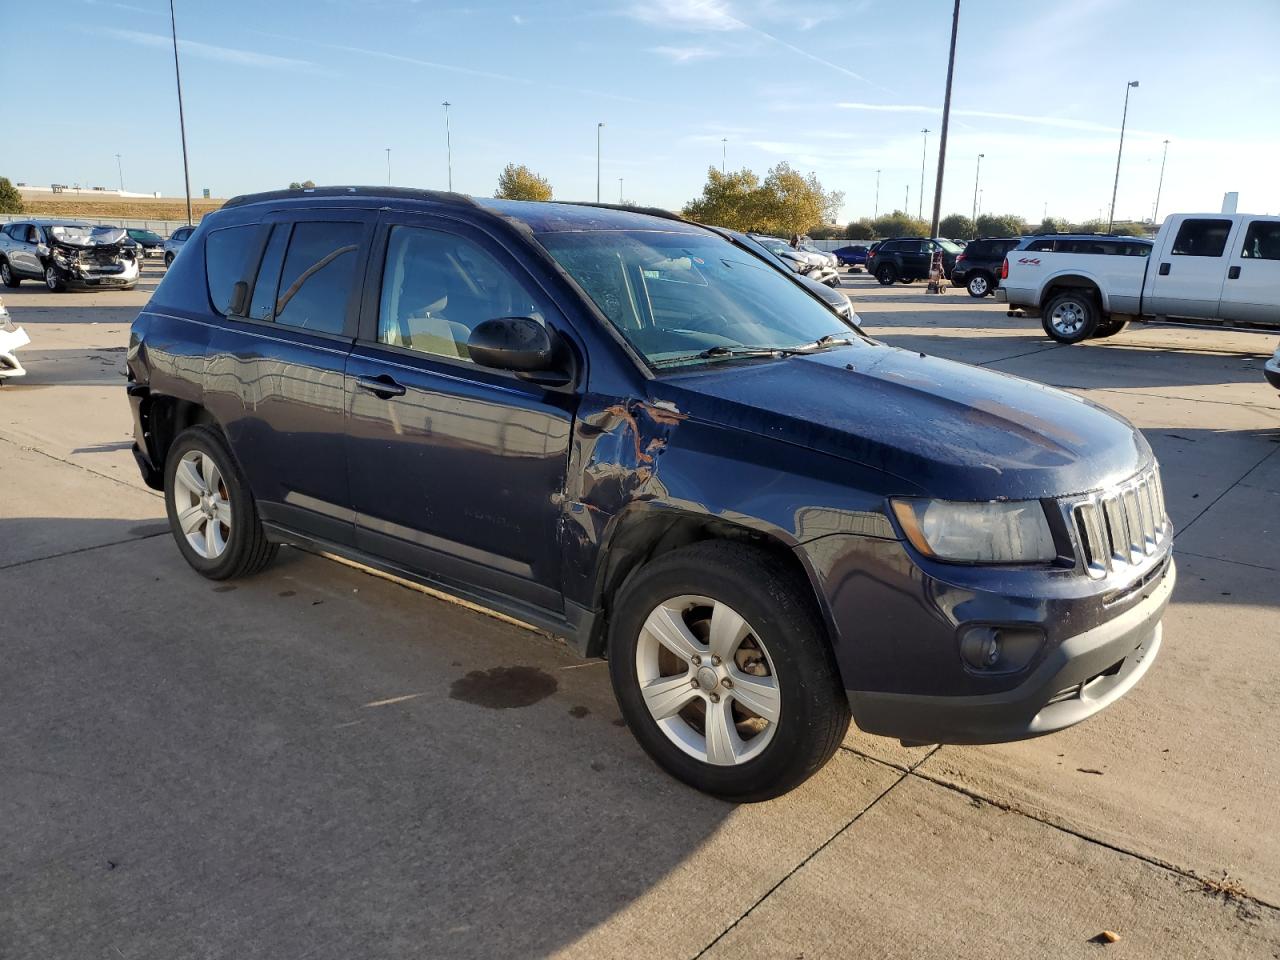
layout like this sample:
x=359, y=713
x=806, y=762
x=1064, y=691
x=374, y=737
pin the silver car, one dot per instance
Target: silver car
x=175, y=242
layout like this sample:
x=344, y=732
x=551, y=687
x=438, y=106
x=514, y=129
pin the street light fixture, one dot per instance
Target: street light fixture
x=120, y=168
x=182, y=123
x=619, y=190
x=876, y=213
x=448, y=143
x=1111, y=222
x=976, y=174
x=388, y=166
x=724, y=151
x=924, y=149
x=1155, y=211
x=599, y=127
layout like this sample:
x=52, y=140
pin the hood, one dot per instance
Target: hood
x=87, y=238
x=947, y=429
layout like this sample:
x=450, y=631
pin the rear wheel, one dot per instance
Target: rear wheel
x=979, y=285
x=7, y=276
x=1070, y=317
x=721, y=667
x=211, y=511
x=53, y=281
x=887, y=275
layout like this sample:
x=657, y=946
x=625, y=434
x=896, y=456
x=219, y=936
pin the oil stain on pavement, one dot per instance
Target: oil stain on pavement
x=504, y=687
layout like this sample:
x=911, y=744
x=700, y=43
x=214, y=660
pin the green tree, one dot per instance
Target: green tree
x=1129, y=229
x=10, y=198
x=518, y=182
x=1090, y=226
x=784, y=203
x=1051, y=225
x=728, y=200
x=826, y=231
x=860, y=229
x=957, y=227
x=1005, y=225
x=304, y=185
x=899, y=224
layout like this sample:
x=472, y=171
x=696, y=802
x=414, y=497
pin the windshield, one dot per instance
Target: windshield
x=950, y=247
x=145, y=235
x=689, y=298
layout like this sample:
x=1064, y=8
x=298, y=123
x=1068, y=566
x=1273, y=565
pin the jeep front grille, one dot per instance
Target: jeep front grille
x=1122, y=526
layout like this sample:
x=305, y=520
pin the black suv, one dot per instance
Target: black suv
x=626, y=430
x=904, y=259
x=977, y=268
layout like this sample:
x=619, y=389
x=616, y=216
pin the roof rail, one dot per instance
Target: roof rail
x=399, y=193
x=647, y=211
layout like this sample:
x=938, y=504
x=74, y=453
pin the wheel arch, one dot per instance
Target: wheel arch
x=164, y=417
x=1066, y=282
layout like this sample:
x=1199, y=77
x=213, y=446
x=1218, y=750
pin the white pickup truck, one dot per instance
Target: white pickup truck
x=1211, y=268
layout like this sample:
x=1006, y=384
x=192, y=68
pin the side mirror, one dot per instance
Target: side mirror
x=520, y=344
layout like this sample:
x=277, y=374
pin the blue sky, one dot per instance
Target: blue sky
x=291, y=90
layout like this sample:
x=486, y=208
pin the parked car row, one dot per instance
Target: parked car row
x=68, y=254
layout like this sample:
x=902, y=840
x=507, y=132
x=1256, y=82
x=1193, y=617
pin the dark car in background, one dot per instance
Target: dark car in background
x=854, y=255
x=628, y=431
x=904, y=259
x=977, y=267
x=152, y=244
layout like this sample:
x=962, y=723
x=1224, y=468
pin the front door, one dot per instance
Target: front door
x=457, y=471
x=1189, y=275
x=1251, y=291
x=276, y=364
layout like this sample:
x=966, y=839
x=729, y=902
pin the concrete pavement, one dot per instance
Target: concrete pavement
x=315, y=762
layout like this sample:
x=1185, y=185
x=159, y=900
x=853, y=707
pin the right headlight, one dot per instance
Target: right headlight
x=998, y=532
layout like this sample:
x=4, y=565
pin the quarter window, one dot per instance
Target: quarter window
x=227, y=257
x=1201, y=238
x=438, y=287
x=319, y=275
x=1262, y=241
x=262, y=306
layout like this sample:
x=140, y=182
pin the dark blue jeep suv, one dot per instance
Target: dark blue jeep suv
x=630, y=432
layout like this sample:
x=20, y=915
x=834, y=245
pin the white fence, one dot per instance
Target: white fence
x=162, y=227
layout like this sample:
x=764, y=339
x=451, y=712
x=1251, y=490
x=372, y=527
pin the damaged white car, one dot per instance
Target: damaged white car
x=67, y=255
x=11, y=338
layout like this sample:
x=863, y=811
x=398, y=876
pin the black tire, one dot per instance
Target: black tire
x=1109, y=328
x=55, y=283
x=168, y=259
x=1070, y=317
x=887, y=275
x=7, y=276
x=247, y=549
x=907, y=280
x=980, y=286
x=778, y=605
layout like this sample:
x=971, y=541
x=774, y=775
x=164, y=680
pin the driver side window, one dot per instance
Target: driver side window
x=438, y=287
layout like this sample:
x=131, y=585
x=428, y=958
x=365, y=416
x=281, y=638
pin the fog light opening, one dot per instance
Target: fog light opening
x=1005, y=648
x=980, y=647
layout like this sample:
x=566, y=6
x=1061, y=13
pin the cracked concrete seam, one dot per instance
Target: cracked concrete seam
x=23, y=445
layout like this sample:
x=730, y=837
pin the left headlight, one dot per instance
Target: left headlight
x=998, y=532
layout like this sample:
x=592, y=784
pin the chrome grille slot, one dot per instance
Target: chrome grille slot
x=1122, y=526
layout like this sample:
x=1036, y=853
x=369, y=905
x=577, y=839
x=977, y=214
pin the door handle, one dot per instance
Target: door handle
x=1164, y=269
x=382, y=386
x=1233, y=273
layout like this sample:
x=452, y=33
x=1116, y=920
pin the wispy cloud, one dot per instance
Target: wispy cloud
x=517, y=19
x=207, y=51
x=685, y=54
x=1065, y=123
x=150, y=11
x=698, y=16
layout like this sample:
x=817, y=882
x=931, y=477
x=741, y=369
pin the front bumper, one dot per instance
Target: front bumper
x=1082, y=675
x=89, y=276
x=1272, y=371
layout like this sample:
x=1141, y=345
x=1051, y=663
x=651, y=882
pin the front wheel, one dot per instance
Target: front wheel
x=54, y=282
x=887, y=275
x=211, y=512
x=168, y=260
x=721, y=666
x=979, y=286
x=1070, y=317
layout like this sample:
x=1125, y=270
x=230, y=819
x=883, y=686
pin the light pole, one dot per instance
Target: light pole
x=724, y=151
x=599, y=127
x=619, y=190
x=924, y=149
x=906, y=202
x=976, y=174
x=120, y=168
x=388, y=166
x=946, y=121
x=1155, y=212
x=182, y=123
x=448, y=143
x=1111, y=222
x=875, y=215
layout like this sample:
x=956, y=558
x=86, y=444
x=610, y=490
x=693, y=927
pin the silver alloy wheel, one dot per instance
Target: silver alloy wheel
x=1067, y=318
x=978, y=286
x=51, y=278
x=5, y=276
x=707, y=680
x=202, y=503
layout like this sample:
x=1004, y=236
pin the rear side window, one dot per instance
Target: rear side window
x=1262, y=241
x=228, y=256
x=319, y=274
x=263, y=304
x=1041, y=246
x=1201, y=238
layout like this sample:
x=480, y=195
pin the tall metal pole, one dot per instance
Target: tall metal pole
x=182, y=123
x=906, y=202
x=599, y=127
x=876, y=214
x=1155, y=211
x=946, y=122
x=724, y=151
x=619, y=190
x=448, y=143
x=924, y=150
x=976, y=174
x=120, y=168
x=1111, y=221
x=388, y=166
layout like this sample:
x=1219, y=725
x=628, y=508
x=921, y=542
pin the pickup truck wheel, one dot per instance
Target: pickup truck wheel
x=887, y=275
x=1070, y=317
x=1109, y=328
x=211, y=511
x=721, y=667
x=979, y=285
x=7, y=276
x=53, y=281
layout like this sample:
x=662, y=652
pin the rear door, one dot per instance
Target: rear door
x=1189, y=273
x=915, y=257
x=276, y=362
x=25, y=258
x=1251, y=292
x=457, y=470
